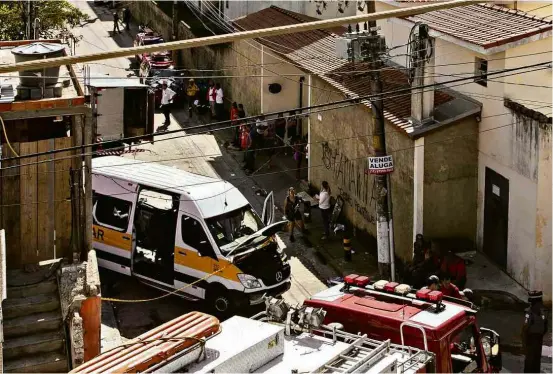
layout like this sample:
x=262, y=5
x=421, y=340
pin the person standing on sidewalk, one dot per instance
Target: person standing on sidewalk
x=533, y=330
x=234, y=124
x=219, y=103
x=167, y=96
x=324, y=207
x=127, y=18
x=211, y=94
x=116, y=22
x=292, y=211
x=191, y=93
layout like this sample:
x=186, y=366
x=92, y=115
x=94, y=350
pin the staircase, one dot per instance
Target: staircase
x=34, y=335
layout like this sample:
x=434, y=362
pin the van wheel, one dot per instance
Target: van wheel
x=220, y=300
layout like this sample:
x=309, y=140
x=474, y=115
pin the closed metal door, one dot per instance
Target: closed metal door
x=496, y=217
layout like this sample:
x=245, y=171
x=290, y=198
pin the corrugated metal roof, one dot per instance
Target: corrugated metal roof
x=108, y=82
x=484, y=25
x=38, y=48
x=302, y=47
x=7, y=94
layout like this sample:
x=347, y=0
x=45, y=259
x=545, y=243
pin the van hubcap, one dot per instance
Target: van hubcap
x=221, y=304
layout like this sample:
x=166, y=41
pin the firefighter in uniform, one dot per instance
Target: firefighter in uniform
x=535, y=327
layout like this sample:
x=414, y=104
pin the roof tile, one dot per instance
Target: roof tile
x=301, y=48
x=485, y=25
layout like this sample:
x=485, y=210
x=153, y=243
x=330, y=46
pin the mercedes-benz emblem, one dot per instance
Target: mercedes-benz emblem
x=278, y=276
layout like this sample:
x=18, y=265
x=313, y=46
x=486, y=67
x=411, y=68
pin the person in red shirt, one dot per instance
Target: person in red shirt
x=455, y=267
x=448, y=288
x=234, y=122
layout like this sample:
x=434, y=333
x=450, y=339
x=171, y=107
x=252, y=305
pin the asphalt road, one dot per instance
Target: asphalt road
x=199, y=154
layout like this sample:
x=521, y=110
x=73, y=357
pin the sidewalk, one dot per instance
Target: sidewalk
x=278, y=179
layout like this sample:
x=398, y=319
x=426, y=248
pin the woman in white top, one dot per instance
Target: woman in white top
x=324, y=206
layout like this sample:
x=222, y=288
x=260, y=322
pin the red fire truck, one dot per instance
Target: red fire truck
x=423, y=319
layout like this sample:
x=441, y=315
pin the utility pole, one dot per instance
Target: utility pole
x=375, y=48
x=28, y=28
x=175, y=31
x=368, y=46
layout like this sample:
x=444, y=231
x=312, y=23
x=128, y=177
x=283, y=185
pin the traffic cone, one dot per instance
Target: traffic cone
x=347, y=248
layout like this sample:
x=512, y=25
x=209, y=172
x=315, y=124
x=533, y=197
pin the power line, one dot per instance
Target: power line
x=271, y=173
x=356, y=136
x=355, y=99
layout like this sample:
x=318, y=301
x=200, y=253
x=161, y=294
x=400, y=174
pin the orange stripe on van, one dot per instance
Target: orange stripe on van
x=112, y=238
x=206, y=264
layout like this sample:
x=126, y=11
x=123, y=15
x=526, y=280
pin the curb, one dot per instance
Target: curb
x=503, y=298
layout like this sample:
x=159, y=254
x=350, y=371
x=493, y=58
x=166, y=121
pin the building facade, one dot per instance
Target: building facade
x=439, y=177
x=514, y=141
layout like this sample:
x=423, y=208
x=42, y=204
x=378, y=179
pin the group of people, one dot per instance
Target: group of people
x=212, y=94
x=266, y=136
x=447, y=272
x=126, y=20
x=293, y=214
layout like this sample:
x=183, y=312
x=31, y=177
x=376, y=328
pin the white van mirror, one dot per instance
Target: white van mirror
x=268, y=214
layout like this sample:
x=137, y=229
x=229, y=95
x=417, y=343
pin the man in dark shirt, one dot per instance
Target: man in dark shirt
x=533, y=330
x=116, y=22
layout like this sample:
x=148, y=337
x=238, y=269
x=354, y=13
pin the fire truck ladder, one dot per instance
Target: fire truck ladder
x=356, y=358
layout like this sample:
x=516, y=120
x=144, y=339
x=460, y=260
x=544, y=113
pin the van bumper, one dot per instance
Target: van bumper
x=259, y=297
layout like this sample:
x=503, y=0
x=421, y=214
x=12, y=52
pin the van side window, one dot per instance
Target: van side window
x=194, y=235
x=111, y=212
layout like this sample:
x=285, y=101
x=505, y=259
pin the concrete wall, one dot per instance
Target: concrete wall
x=517, y=150
x=240, y=8
x=339, y=149
x=81, y=307
x=275, y=70
x=243, y=58
x=450, y=181
x=544, y=227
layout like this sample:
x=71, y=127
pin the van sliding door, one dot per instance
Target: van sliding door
x=113, y=208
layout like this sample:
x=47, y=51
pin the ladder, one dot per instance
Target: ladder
x=356, y=358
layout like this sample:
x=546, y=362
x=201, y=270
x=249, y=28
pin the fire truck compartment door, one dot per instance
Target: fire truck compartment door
x=110, y=109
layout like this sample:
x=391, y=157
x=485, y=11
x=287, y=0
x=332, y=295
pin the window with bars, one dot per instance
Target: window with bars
x=481, y=72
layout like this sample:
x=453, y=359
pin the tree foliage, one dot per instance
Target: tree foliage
x=54, y=15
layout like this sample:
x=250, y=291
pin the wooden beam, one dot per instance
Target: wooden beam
x=229, y=38
x=54, y=112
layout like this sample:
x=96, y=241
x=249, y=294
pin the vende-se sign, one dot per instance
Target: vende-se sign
x=381, y=165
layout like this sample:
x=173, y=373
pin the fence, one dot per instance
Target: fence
x=35, y=202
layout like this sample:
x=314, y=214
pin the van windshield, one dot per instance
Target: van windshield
x=231, y=228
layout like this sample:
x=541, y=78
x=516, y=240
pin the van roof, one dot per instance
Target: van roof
x=212, y=196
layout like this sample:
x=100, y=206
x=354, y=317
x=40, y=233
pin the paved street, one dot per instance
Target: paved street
x=198, y=154
x=204, y=154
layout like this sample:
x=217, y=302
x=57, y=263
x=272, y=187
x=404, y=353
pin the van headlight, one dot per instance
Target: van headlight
x=249, y=281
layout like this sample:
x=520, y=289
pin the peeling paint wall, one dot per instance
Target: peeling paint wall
x=544, y=227
x=450, y=181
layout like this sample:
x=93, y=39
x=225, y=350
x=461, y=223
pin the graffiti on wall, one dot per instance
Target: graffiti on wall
x=354, y=185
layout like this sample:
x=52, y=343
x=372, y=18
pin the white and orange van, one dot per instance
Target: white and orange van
x=170, y=228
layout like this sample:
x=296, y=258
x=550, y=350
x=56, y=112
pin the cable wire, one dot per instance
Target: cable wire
x=358, y=99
